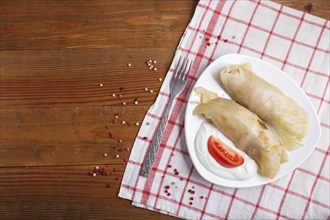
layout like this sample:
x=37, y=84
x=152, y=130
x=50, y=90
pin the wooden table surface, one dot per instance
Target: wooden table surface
x=60, y=62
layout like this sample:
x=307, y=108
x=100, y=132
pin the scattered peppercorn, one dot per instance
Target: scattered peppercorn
x=111, y=135
x=308, y=7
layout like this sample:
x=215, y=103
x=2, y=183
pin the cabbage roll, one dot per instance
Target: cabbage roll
x=278, y=110
x=246, y=130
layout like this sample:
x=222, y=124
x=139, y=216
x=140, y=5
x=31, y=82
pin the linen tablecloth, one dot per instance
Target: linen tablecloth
x=295, y=42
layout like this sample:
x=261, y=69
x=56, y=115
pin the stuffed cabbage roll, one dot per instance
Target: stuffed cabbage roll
x=246, y=130
x=280, y=111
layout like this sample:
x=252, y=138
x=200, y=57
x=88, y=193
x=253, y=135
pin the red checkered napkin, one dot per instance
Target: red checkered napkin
x=295, y=42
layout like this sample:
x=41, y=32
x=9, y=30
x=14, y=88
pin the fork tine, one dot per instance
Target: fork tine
x=180, y=68
x=184, y=73
x=183, y=68
x=177, y=69
x=187, y=73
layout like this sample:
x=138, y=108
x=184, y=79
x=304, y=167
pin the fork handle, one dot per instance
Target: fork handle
x=153, y=148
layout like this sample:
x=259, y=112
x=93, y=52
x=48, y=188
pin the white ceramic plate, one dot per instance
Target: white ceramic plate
x=209, y=79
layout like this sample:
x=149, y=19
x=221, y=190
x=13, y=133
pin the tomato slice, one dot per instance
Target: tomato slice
x=223, y=154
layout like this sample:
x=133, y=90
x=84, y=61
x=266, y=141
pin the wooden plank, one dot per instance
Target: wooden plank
x=73, y=77
x=319, y=8
x=67, y=136
x=86, y=24
x=65, y=193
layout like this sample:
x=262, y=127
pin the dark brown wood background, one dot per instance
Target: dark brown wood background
x=55, y=117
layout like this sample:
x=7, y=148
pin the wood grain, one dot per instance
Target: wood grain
x=65, y=192
x=89, y=24
x=68, y=136
x=55, y=118
x=72, y=77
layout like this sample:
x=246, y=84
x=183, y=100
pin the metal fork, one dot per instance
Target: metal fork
x=177, y=84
